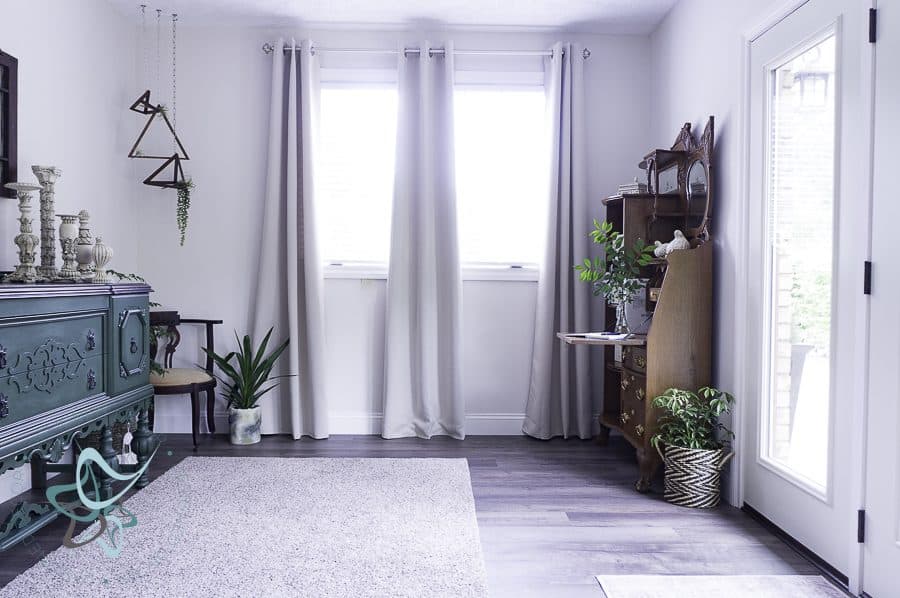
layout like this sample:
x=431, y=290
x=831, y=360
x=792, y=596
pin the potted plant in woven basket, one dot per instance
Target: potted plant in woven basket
x=693, y=444
x=246, y=376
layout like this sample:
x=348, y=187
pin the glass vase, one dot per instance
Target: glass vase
x=621, y=320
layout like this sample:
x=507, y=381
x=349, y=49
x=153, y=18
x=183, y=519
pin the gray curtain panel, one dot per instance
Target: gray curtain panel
x=559, y=397
x=289, y=287
x=422, y=327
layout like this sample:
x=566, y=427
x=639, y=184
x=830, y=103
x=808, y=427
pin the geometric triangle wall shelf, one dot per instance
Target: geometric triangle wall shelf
x=142, y=105
x=174, y=179
x=157, y=112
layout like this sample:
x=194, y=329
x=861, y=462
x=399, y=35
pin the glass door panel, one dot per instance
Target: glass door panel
x=800, y=245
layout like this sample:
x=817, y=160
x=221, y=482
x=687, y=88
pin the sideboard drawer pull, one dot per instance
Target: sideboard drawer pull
x=4, y=405
x=91, y=380
x=91, y=341
x=134, y=346
x=2, y=356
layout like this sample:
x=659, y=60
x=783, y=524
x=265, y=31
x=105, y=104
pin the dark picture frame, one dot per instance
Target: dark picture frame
x=9, y=117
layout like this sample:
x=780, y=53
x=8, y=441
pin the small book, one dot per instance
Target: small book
x=609, y=336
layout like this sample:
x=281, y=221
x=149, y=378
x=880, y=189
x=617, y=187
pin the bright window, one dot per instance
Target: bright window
x=355, y=172
x=501, y=174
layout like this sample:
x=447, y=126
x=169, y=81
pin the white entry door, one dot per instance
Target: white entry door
x=881, y=551
x=808, y=240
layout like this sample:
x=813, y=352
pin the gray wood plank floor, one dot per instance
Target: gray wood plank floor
x=552, y=514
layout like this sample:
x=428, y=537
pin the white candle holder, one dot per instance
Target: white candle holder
x=25, y=240
x=68, y=234
x=84, y=247
x=102, y=254
x=47, y=177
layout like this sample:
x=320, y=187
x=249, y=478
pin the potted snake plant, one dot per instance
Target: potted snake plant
x=246, y=377
x=693, y=444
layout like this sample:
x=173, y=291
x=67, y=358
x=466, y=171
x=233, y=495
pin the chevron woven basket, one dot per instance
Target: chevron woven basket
x=693, y=476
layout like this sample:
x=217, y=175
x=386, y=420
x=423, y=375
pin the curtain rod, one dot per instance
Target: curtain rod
x=269, y=48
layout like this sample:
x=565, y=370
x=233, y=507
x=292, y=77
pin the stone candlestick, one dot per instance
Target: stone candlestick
x=84, y=247
x=68, y=234
x=47, y=177
x=25, y=240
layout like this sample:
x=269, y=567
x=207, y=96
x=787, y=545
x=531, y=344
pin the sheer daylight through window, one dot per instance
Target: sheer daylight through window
x=355, y=172
x=501, y=174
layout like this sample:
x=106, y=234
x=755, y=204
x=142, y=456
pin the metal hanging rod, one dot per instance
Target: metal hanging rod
x=270, y=48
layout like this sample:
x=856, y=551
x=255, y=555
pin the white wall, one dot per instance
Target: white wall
x=696, y=72
x=75, y=84
x=223, y=97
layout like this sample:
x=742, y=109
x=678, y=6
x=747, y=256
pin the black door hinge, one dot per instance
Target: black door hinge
x=861, y=526
x=873, y=25
x=867, y=278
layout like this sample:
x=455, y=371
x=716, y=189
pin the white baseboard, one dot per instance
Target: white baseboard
x=180, y=423
x=358, y=422
x=477, y=424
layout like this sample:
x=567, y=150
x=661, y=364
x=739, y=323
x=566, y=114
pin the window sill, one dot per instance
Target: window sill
x=483, y=272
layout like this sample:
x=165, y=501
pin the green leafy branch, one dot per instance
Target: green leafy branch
x=615, y=274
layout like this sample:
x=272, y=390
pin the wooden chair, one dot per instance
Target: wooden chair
x=190, y=381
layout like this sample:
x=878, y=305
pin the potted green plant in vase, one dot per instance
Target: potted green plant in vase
x=246, y=377
x=616, y=273
x=693, y=444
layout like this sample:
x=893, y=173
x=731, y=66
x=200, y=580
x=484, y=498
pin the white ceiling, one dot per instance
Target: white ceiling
x=599, y=16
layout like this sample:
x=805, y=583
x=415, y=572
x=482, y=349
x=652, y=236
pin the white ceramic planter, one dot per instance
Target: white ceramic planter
x=245, y=425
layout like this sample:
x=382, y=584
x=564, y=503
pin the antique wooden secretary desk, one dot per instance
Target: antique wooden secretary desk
x=676, y=348
x=74, y=359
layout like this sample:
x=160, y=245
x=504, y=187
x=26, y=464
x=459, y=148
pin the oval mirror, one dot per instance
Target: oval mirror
x=697, y=194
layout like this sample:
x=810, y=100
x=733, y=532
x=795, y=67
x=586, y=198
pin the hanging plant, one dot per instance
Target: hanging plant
x=184, y=204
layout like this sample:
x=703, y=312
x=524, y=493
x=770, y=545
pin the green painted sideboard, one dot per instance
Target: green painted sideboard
x=74, y=359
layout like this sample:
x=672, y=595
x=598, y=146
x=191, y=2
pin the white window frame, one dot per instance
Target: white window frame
x=465, y=79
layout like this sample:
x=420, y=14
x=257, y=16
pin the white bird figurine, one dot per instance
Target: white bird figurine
x=660, y=250
x=678, y=243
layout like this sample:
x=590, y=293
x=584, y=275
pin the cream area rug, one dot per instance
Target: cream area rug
x=272, y=527
x=730, y=586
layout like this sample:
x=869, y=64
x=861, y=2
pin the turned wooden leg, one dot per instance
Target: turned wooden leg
x=648, y=463
x=38, y=473
x=143, y=445
x=109, y=455
x=603, y=437
x=210, y=410
x=195, y=413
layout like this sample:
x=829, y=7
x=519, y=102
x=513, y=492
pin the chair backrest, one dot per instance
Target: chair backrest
x=164, y=324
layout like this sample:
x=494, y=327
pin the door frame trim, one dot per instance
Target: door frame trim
x=827, y=571
x=858, y=427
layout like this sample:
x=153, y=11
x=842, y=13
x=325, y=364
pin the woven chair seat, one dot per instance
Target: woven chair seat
x=180, y=377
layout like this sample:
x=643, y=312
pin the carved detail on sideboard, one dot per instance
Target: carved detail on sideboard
x=49, y=353
x=23, y=513
x=47, y=378
x=132, y=345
